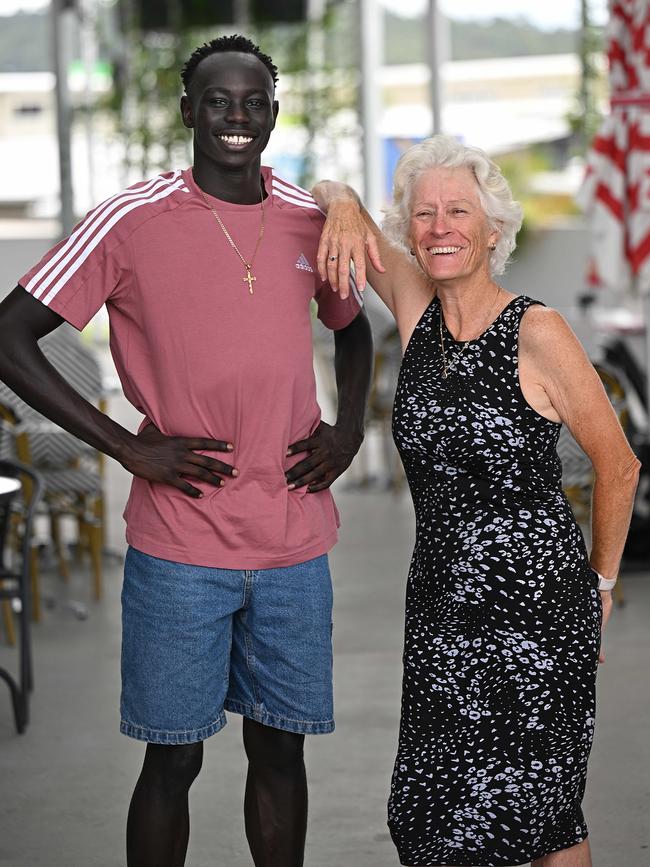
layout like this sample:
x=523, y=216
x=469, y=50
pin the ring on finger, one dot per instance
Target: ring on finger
x=332, y=258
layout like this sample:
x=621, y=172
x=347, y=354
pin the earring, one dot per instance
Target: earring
x=412, y=251
x=493, y=247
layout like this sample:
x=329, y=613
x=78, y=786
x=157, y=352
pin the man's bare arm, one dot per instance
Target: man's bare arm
x=24, y=368
x=331, y=448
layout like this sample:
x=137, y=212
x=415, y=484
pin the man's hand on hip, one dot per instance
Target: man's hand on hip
x=331, y=450
x=159, y=458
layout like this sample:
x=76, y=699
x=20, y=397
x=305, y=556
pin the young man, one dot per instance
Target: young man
x=208, y=275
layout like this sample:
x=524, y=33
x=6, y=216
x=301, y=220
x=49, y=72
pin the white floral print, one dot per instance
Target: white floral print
x=502, y=615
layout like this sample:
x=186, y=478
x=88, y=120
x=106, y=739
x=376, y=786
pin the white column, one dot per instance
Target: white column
x=372, y=43
x=60, y=15
x=438, y=53
x=88, y=46
x=242, y=14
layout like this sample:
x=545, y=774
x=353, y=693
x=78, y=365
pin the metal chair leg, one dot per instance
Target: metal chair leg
x=8, y=620
x=35, y=582
x=55, y=529
x=95, y=537
x=18, y=702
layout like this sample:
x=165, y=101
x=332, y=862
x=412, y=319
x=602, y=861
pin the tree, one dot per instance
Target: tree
x=314, y=53
x=586, y=118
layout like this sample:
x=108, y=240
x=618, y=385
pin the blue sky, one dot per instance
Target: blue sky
x=547, y=14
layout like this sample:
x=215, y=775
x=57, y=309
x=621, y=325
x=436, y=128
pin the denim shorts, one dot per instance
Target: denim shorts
x=197, y=640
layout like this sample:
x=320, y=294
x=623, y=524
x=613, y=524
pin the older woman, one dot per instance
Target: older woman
x=503, y=611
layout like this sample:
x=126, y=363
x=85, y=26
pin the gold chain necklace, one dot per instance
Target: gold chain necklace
x=446, y=368
x=249, y=278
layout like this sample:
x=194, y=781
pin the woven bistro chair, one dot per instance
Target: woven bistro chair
x=388, y=358
x=17, y=513
x=73, y=473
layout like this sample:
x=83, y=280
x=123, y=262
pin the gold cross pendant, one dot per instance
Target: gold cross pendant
x=250, y=280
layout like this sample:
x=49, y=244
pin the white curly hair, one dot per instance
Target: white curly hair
x=502, y=211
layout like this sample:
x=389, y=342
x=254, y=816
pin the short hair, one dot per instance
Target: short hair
x=222, y=44
x=502, y=211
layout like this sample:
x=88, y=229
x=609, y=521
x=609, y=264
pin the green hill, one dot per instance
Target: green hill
x=476, y=40
x=25, y=43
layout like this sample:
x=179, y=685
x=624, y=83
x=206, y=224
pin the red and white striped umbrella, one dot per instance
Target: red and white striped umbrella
x=616, y=190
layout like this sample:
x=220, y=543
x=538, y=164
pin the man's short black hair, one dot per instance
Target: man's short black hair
x=225, y=43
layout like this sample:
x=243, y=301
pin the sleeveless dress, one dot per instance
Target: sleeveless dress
x=502, y=614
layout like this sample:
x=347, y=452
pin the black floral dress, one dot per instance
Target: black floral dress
x=502, y=614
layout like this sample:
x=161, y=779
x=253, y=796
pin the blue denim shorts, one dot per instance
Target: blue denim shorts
x=197, y=640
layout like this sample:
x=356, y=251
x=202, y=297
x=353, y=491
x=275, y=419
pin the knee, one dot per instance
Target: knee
x=272, y=748
x=173, y=767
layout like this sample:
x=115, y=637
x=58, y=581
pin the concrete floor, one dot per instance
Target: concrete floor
x=65, y=785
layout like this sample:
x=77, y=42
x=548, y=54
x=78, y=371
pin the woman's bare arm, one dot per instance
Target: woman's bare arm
x=350, y=234
x=564, y=374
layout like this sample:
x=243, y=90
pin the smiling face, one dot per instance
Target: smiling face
x=230, y=107
x=448, y=229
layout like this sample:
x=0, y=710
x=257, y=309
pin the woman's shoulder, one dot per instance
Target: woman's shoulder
x=544, y=329
x=538, y=313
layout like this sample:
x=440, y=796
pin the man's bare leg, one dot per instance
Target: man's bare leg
x=158, y=827
x=275, y=804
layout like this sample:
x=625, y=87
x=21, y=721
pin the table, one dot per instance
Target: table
x=8, y=488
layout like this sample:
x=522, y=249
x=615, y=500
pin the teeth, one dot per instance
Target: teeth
x=435, y=250
x=236, y=139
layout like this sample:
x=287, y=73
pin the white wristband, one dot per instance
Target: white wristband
x=605, y=583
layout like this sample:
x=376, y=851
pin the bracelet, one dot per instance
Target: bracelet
x=605, y=583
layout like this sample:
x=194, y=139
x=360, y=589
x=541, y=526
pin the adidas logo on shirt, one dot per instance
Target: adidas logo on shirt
x=303, y=264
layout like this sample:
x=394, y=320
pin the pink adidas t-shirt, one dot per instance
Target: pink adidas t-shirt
x=199, y=356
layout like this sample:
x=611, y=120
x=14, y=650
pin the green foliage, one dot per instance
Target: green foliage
x=585, y=119
x=320, y=60
x=520, y=167
x=308, y=54
x=145, y=101
x=317, y=57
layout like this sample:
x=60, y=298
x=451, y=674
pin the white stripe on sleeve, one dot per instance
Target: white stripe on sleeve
x=355, y=291
x=292, y=190
x=302, y=203
x=97, y=237
x=78, y=238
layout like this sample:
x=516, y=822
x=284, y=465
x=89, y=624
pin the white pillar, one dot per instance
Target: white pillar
x=60, y=15
x=242, y=14
x=372, y=43
x=437, y=54
x=88, y=45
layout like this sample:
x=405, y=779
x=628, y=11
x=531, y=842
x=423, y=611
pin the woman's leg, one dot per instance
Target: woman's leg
x=275, y=805
x=575, y=856
x=158, y=826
